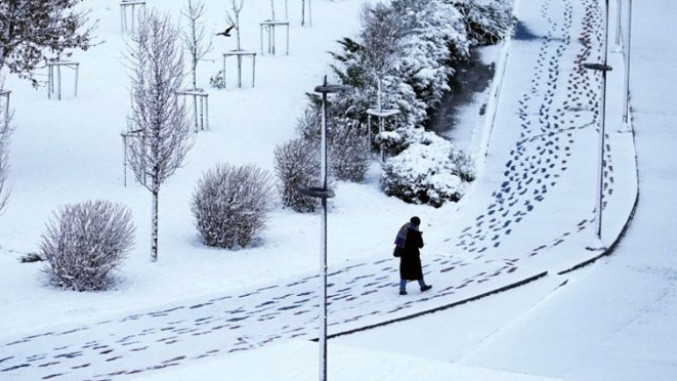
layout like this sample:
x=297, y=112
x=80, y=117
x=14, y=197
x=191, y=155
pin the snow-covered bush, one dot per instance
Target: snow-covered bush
x=230, y=205
x=217, y=81
x=297, y=165
x=349, y=154
x=424, y=173
x=85, y=242
x=464, y=164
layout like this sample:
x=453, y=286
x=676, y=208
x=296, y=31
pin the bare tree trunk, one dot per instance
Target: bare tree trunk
x=194, y=67
x=154, y=226
x=234, y=19
x=378, y=94
x=237, y=29
x=239, y=57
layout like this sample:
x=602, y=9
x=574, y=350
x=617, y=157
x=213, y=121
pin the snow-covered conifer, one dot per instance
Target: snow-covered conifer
x=29, y=29
x=487, y=21
x=230, y=205
x=159, y=131
x=85, y=242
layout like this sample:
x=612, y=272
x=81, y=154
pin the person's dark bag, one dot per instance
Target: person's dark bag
x=398, y=251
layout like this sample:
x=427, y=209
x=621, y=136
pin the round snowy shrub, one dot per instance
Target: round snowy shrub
x=297, y=165
x=85, y=242
x=424, y=174
x=230, y=205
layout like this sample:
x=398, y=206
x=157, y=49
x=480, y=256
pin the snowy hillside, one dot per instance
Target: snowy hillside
x=526, y=221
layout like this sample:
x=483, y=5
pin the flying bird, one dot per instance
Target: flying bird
x=226, y=33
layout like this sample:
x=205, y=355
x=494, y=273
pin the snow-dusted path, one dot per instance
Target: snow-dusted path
x=538, y=177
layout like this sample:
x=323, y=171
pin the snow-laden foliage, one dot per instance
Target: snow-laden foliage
x=30, y=30
x=349, y=153
x=403, y=59
x=84, y=242
x=297, y=165
x=158, y=131
x=424, y=173
x=487, y=21
x=436, y=40
x=230, y=205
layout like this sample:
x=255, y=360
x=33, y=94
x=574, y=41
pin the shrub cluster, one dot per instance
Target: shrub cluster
x=297, y=165
x=230, y=205
x=424, y=174
x=85, y=242
x=349, y=153
x=435, y=35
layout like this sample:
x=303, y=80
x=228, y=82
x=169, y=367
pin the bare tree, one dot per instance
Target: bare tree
x=161, y=132
x=272, y=9
x=233, y=17
x=381, y=37
x=194, y=40
x=194, y=37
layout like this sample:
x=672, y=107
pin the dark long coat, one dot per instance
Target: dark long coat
x=410, y=261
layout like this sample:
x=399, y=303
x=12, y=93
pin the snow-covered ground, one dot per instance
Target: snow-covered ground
x=612, y=321
x=71, y=151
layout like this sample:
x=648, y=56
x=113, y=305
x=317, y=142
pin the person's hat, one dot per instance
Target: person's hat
x=415, y=220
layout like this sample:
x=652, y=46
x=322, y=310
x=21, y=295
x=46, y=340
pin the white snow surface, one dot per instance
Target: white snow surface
x=613, y=320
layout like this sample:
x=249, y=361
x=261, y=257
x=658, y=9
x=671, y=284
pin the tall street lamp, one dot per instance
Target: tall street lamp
x=618, y=44
x=323, y=192
x=604, y=68
x=626, y=83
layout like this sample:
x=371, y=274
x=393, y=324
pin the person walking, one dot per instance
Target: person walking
x=410, y=239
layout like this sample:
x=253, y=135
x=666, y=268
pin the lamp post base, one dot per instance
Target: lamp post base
x=625, y=127
x=596, y=245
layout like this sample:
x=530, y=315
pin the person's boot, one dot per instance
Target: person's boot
x=426, y=288
x=403, y=292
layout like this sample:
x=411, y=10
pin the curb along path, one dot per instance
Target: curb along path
x=542, y=140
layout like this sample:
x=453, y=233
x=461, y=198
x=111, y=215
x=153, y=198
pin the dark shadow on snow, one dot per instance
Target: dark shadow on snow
x=471, y=77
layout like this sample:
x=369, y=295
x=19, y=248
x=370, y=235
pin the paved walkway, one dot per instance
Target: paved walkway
x=517, y=227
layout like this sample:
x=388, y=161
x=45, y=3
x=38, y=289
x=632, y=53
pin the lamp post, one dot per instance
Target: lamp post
x=625, y=127
x=604, y=68
x=618, y=45
x=323, y=192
